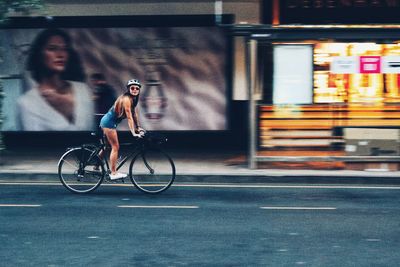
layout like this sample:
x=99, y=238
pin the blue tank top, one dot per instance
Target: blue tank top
x=110, y=119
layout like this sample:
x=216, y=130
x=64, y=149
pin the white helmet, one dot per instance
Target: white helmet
x=133, y=82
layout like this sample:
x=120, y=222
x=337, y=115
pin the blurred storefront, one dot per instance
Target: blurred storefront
x=358, y=32
x=324, y=67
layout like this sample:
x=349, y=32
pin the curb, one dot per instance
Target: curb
x=233, y=179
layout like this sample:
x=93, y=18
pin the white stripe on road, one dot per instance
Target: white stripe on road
x=20, y=205
x=298, y=208
x=228, y=185
x=158, y=207
x=288, y=186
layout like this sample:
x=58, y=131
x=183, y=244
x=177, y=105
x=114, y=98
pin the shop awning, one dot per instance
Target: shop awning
x=370, y=33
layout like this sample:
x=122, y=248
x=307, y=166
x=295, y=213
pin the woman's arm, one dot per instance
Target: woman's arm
x=136, y=118
x=128, y=111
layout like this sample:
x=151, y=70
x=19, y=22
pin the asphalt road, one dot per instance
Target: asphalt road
x=203, y=225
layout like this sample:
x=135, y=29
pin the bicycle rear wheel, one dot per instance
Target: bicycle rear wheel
x=76, y=170
x=152, y=171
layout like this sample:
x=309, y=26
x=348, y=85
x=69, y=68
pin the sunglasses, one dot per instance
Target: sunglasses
x=134, y=87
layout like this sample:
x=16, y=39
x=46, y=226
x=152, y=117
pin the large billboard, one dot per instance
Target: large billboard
x=182, y=69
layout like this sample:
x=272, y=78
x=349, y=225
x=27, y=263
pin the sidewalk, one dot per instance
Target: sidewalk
x=195, y=166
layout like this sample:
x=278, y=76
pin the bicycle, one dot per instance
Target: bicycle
x=151, y=170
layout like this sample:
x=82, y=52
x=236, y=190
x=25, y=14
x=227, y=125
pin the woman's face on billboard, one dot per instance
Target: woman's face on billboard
x=55, y=54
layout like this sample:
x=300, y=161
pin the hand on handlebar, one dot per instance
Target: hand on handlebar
x=139, y=133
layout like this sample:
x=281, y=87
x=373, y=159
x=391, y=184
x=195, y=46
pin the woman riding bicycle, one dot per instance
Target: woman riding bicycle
x=124, y=107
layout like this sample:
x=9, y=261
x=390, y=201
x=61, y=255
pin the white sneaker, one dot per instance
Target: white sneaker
x=117, y=175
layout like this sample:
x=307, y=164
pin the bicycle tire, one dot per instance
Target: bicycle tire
x=77, y=174
x=152, y=171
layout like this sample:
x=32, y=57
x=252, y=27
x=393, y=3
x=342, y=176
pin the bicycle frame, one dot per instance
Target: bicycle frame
x=137, y=148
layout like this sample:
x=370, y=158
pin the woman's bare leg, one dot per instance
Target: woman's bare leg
x=112, y=138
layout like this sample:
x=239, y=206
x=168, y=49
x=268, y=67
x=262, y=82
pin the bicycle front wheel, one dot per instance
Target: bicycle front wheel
x=77, y=170
x=152, y=171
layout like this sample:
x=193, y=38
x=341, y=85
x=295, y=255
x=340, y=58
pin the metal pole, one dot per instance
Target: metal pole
x=251, y=107
x=218, y=12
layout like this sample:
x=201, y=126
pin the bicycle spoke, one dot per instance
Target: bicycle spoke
x=71, y=165
x=80, y=177
x=152, y=171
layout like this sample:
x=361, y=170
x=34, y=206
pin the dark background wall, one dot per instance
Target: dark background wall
x=234, y=138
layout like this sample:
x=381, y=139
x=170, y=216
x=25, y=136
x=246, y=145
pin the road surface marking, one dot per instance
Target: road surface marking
x=288, y=186
x=298, y=208
x=227, y=185
x=20, y=205
x=157, y=207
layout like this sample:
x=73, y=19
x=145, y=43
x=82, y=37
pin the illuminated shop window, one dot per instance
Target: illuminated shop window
x=367, y=82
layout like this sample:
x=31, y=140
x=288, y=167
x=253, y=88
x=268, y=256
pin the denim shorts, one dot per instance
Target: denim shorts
x=109, y=121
